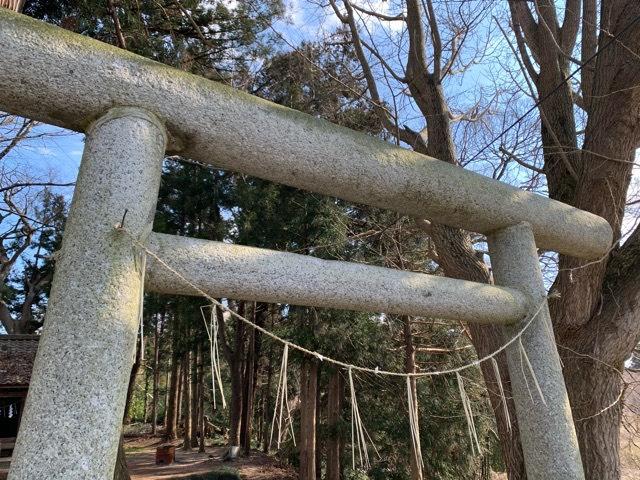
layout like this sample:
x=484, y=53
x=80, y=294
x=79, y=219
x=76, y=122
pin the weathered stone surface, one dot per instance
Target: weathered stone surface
x=246, y=273
x=41, y=65
x=73, y=415
x=547, y=433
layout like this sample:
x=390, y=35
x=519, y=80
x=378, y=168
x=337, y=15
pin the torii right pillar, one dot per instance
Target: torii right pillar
x=547, y=433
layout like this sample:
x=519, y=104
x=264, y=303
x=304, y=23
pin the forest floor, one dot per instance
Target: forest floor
x=141, y=460
x=141, y=452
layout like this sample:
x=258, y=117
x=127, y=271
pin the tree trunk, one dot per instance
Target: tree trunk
x=15, y=5
x=335, y=441
x=235, y=360
x=248, y=395
x=156, y=379
x=410, y=367
x=266, y=403
x=121, y=471
x=194, y=395
x=595, y=316
x=186, y=401
x=171, y=414
x=201, y=425
x=132, y=383
x=320, y=441
x=179, y=395
x=599, y=436
x=260, y=312
x=167, y=383
x=458, y=258
x=308, y=404
x=145, y=402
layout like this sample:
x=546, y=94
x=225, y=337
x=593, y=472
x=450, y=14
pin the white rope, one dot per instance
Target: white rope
x=333, y=361
x=282, y=401
x=525, y=357
x=503, y=398
x=358, y=432
x=471, y=425
x=212, y=333
x=412, y=402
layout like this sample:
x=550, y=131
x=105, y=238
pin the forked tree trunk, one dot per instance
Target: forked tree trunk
x=335, y=441
x=308, y=404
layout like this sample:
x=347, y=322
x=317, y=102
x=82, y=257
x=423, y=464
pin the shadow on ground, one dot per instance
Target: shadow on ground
x=142, y=466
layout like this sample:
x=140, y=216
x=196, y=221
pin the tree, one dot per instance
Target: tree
x=32, y=232
x=594, y=315
x=15, y=5
x=595, y=318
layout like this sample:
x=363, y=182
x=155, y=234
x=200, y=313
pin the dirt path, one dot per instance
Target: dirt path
x=142, y=466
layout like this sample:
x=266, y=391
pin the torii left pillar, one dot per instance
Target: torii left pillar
x=72, y=420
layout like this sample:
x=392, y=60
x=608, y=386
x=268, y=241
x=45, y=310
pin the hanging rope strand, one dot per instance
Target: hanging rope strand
x=275, y=410
x=527, y=362
x=212, y=332
x=503, y=398
x=358, y=432
x=215, y=325
x=471, y=426
x=282, y=403
x=414, y=425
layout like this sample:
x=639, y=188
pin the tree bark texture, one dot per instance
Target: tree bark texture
x=595, y=317
x=335, y=441
x=308, y=393
x=156, y=379
x=194, y=396
x=186, y=401
x=173, y=399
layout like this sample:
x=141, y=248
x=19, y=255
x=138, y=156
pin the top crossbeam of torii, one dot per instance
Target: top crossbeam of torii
x=69, y=80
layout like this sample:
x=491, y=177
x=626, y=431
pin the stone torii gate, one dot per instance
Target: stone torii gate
x=133, y=111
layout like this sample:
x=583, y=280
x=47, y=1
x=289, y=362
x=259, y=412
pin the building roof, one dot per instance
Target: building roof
x=17, y=353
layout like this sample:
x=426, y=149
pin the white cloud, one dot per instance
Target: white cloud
x=46, y=152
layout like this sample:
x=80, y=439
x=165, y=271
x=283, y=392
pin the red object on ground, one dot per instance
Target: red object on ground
x=165, y=455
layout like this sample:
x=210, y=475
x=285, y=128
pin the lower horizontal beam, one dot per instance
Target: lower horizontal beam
x=245, y=273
